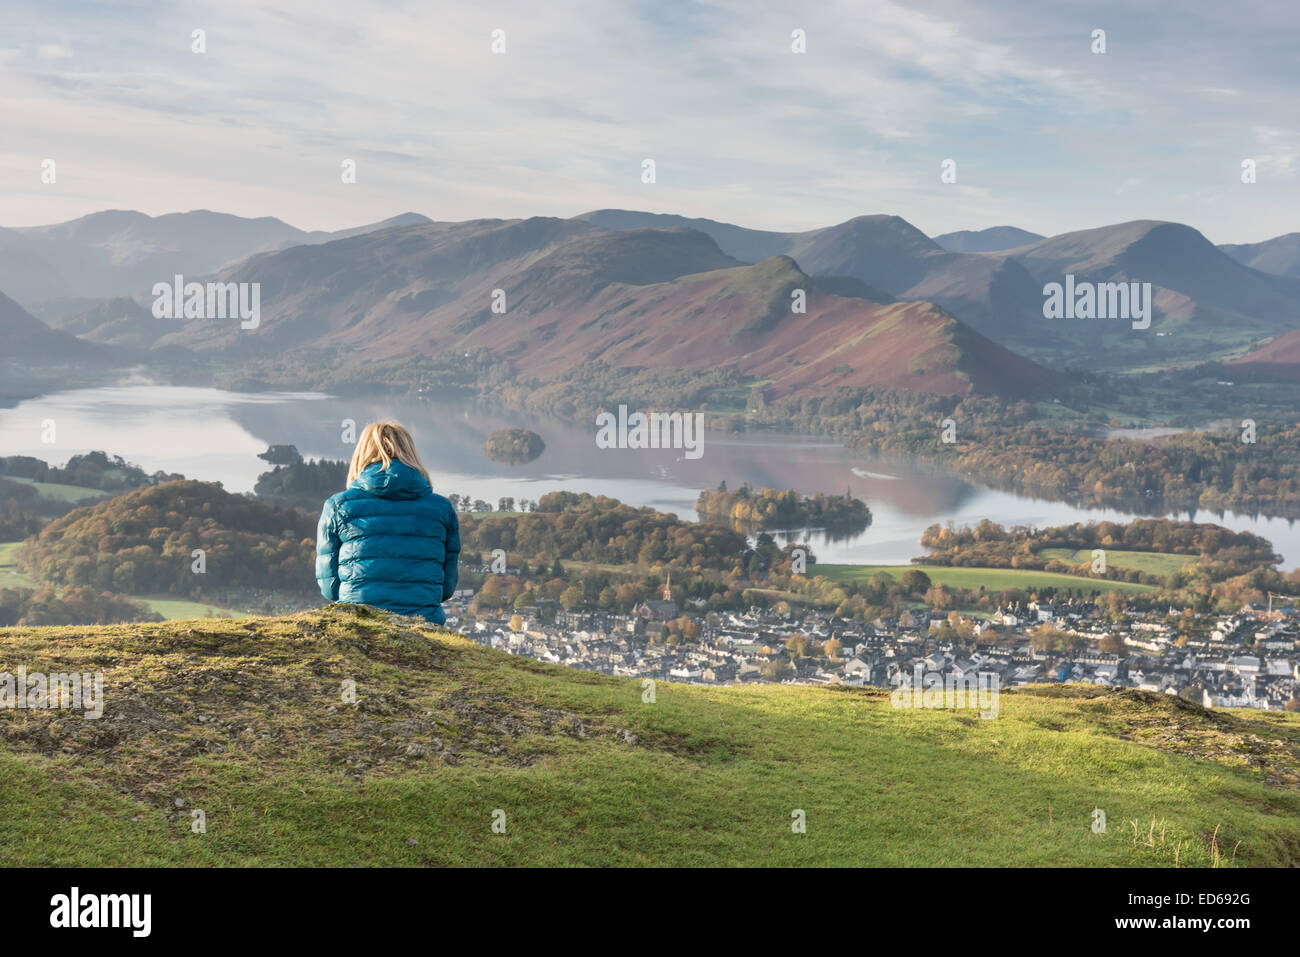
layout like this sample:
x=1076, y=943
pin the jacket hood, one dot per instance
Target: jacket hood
x=398, y=481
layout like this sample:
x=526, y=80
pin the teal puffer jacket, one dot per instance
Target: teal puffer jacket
x=389, y=541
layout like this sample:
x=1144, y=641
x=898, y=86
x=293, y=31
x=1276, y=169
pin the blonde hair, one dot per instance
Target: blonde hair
x=383, y=442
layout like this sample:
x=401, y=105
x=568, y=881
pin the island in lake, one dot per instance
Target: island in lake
x=514, y=446
x=748, y=510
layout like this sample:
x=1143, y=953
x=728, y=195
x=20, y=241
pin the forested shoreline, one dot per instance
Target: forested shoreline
x=1049, y=450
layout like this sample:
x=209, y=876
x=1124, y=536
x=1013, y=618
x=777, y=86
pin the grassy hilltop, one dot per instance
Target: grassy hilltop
x=244, y=719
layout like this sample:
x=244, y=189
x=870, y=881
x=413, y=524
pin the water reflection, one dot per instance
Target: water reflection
x=213, y=435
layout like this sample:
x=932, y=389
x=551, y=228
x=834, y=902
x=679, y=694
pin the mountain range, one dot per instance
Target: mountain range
x=575, y=292
x=24, y=338
x=123, y=252
x=1207, y=304
x=884, y=304
x=1279, y=255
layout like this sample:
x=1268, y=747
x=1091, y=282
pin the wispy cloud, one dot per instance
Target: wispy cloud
x=1046, y=134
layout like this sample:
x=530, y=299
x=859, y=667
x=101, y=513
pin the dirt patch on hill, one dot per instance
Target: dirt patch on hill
x=1267, y=743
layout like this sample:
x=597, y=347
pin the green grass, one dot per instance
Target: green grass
x=243, y=720
x=58, y=492
x=10, y=576
x=181, y=608
x=994, y=579
x=1161, y=564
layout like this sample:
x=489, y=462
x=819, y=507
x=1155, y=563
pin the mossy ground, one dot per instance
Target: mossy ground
x=245, y=720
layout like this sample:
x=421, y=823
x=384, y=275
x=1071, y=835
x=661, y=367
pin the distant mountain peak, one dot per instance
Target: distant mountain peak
x=123, y=252
x=991, y=240
x=1279, y=256
x=26, y=339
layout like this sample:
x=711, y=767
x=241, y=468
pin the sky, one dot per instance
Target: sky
x=1045, y=134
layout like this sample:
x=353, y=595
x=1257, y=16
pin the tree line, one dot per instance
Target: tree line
x=990, y=545
x=75, y=606
x=145, y=541
x=96, y=470
x=579, y=552
x=1006, y=445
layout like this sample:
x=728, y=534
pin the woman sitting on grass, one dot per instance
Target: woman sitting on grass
x=387, y=540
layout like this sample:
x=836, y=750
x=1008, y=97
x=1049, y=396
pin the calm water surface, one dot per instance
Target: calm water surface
x=215, y=436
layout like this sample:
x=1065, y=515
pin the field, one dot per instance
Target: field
x=61, y=493
x=167, y=606
x=1161, y=564
x=179, y=608
x=244, y=721
x=10, y=576
x=993, y=579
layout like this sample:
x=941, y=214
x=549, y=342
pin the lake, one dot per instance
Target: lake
x=215, y=436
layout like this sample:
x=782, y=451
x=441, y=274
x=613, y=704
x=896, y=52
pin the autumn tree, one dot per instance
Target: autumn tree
x=914, y=581
x=1112, y=645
